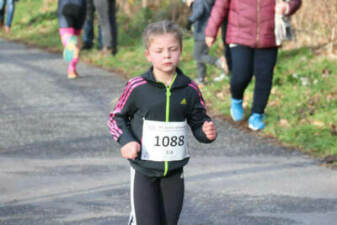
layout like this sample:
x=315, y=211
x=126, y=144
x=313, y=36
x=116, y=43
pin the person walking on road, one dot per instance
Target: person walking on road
x=150, y=120
x=71, y=17
x=250, y=34
x=7, y=7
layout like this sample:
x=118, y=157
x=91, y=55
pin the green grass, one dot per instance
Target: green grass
x=302, y=109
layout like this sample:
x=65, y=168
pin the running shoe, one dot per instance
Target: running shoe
x=200, y=82
x=221, y=77
x=255, y=122
x=237, y=111
x=72, y=74
x=222, y=65
x=70, y=48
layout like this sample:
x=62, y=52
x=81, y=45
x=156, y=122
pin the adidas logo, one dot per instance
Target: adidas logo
x=183, y=101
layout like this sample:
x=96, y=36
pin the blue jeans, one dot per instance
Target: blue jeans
x=10, y=8
x=88, y=33
x=88, y=29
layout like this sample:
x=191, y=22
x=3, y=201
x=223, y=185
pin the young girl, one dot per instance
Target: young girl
x=150, y=121
x=71, y=14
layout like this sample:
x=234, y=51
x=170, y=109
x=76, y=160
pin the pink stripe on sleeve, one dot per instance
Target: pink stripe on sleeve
x=115, y=131
x=127, y=90
x=195, y=87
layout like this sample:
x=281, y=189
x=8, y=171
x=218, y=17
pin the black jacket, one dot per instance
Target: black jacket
x=144, y=97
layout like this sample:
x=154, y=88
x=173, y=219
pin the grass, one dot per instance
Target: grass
x=302, y=109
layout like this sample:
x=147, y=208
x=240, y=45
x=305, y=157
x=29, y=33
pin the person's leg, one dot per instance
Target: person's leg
x=69, y=40
x=145, y=199
x=203, y=52
x=72, y=72
x=88, y=33
x=227, y=53
x=242, y=72
x=113, y=26
x=2, y=4
x=99, y=38
x=201, y=66
x=172, y=191
x=75, y=15
x=264, y=63
x=204, y=58
x=2, y=12
x=103, y=10
x=228, y=57
x=10, y=9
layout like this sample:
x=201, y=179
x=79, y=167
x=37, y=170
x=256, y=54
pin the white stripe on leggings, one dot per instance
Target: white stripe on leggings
x=132, y=220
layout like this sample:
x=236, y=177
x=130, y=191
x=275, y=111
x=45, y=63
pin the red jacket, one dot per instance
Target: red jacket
x=250, y=22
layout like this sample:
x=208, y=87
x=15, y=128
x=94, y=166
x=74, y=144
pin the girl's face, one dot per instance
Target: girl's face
x=164, y=53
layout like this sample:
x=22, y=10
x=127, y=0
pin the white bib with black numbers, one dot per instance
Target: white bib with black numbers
x=164, y=141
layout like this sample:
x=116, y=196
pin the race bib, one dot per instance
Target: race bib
x=164, y=141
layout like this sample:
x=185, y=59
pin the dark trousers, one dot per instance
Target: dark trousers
x=200, y=54
x=227, y=49
x=156, y=200
x=88, y=29
x=247, y=62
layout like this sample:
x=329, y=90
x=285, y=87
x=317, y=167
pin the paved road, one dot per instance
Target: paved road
x=59, y=166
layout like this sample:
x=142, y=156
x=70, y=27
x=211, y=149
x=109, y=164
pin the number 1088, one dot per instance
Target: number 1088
x=171, y=141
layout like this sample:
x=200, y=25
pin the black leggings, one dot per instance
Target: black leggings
x=156, y=200
x=247, y=62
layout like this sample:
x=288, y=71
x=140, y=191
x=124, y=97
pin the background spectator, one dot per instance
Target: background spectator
x=7, y=7
x=250, y=35
x=107, y=17
x=88, y=29
x=201, y=10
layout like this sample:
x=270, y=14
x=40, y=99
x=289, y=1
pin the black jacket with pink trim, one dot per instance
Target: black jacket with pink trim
x=145, y=98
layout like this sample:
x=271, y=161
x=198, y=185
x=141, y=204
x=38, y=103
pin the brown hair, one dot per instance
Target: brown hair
x=162, y=27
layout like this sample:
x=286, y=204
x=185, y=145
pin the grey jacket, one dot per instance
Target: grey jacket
x=201, y=10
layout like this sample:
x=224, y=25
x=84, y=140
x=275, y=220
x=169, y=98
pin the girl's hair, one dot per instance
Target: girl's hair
x=162, y=27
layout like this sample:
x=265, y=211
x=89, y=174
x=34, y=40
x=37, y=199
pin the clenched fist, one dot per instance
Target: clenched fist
x=130, y=150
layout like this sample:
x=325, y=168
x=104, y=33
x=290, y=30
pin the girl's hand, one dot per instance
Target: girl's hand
x=210, y=130
x=130, y=150
x=281, y=8
x=209, y=41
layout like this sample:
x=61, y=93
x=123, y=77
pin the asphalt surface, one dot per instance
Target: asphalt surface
x=59, y=165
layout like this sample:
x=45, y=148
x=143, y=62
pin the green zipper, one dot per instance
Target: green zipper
x=167, y=118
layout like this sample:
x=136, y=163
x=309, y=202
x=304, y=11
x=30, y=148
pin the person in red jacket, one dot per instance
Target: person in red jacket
x=250, y=35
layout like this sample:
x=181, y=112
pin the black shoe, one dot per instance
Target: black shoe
x=113, y=51
x=108, y=51
x=86, y=47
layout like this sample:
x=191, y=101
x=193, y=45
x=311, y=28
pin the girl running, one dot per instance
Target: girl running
x=150, y=122
x=71, y=14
